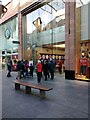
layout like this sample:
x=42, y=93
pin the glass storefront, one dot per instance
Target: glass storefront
x=9, y=35
x=43, y=33
x=83, y=41
x=46, y=32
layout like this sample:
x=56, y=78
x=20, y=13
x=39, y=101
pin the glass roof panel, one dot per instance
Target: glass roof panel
x=4, y=2
x=81, y=2
x=57, y=4
x=85, y=1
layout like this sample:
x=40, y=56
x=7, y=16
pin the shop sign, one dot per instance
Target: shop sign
x=7, y=33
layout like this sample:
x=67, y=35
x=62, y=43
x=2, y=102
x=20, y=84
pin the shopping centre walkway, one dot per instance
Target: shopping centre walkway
x=68, y=99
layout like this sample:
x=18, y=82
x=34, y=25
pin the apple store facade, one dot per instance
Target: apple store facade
x=47, y=29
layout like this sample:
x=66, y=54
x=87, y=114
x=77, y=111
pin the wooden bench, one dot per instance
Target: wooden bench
x=29, y=85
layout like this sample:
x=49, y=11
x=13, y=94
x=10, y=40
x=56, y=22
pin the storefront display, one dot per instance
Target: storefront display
x=9, y=33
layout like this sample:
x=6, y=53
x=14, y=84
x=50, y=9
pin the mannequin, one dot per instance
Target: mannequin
x=83, y=65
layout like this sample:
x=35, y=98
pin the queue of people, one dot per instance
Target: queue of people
x=43, y=68
x=24, y=70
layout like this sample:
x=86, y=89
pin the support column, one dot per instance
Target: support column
x=24, y=37
x=20, y=35
x=78, y=40
x=70, y=43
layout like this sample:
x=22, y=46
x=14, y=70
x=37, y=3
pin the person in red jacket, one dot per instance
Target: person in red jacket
x=39, y=71
x=60, y=66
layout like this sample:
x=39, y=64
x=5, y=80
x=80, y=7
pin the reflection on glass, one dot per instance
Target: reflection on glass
x=53, y=11
x=81, y=2
x=46, y=25
x=8, y=47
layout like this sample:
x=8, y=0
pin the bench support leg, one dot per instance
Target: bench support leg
x=17, y=86
x=42, y=93
x=28, y=90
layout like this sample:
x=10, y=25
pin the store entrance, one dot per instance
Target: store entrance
x=54, y=51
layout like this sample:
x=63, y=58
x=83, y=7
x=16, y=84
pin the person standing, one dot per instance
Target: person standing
x=22, y=64
x=26, y=66
x=51, y=68
x=45, y=69
x=60, y=66
x=9, y=67
x=39, y=71
x=31, y=70
x=18, y=70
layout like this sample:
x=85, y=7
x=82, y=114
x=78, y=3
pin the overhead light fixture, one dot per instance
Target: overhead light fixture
x=82, y=53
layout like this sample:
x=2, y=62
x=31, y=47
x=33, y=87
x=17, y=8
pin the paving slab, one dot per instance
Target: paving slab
x=68, y=99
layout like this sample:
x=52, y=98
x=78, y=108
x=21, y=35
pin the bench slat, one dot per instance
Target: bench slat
x=35, y=86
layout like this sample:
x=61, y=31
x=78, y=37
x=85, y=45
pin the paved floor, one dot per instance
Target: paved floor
x=68, y=99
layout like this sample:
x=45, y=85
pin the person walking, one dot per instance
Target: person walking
x=31, y=70
x=45, y=69
x=60, y=66
x=18, y=70
x=9, y=67
x=26, y=68
x=39, y=71
x=51, y=68
x=22, y=64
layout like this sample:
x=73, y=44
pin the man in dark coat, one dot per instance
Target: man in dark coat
x=9, y=67
x=19, y=70
x=51, y=68
x=31, y=70
x=45, y=69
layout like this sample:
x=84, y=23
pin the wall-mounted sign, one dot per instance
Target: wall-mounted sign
x=7, y=33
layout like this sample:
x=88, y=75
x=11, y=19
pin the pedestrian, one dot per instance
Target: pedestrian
x=31, y=70
x=26, y=68
x=60, y=66
x=18, y=70
x=9, y=67
x=51, y=68
x=46, y=69
x=22, y=68
x=39, y=71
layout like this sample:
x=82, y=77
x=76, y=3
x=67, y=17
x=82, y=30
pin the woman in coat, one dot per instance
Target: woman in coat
x=39, y=71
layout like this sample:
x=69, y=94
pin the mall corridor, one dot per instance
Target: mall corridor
x=68, y=99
